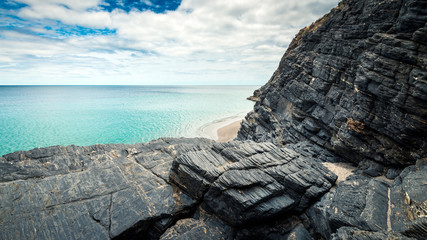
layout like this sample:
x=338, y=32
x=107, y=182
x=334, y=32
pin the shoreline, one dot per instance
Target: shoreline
x=222, y=130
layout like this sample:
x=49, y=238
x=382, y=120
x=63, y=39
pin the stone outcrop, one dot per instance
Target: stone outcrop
x=374, y=206
x=96, y=192
x=354, y=82
x=245, y=181
x=351, y=90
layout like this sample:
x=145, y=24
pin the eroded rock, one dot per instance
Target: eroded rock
x=96, y=192
x=244, y=181
x=353, y=82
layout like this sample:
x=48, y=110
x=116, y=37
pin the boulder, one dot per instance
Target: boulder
x=246, y=181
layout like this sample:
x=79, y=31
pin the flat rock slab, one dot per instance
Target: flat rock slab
x=246, y=181
x=96, y=192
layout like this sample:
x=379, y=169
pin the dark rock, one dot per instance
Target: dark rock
x=392, y=173
x=353, y=82
x=371, y=168
x=352, y=87
x=345, y=233
x=409, y=202
x=203, y=226
x=359, y=201
x=246, y=181
x=96, y=192
x=194, y=171
x=373, y=207
x=267, y=184
x=272, y=230
x=318, y=216
x=299, y=233
x=255, y=96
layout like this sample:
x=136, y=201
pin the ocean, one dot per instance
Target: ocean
x=41, y=116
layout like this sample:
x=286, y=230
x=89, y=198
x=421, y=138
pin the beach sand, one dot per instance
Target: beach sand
x=223, y=130
x=342, y=170
x=229, y=132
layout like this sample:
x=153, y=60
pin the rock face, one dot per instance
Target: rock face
x=351, y=88
x=96, y=192
x=244, y=181
x=123, y=191
x=354, y=82
x=374, y=208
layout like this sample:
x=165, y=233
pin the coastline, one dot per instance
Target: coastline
x=222, y=130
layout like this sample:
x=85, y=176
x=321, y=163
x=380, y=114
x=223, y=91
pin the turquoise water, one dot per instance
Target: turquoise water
x=40, y=116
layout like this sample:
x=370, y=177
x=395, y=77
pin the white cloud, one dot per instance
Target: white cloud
x=80, y=5
x=67, y=16
x=218, y=41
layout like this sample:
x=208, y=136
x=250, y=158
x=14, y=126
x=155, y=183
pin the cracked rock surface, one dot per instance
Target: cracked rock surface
x=374, y=207
x=121, y=191
x=348, y=99
x=97, y=192
x=244, y=181
x=354, y=82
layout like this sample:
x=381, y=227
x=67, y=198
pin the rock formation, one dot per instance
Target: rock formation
x=350, y=90
x=354, y=82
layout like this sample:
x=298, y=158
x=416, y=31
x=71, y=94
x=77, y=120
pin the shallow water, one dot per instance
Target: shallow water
x=40, y=116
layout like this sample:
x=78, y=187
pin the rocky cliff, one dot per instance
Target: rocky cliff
x=354, y=82
x=334, y=149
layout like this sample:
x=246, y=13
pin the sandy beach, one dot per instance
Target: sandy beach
x=223, y=130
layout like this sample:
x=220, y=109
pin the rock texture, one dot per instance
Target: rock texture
x=355, y=82
x=351, y=88
x=245, y=181
x=374, y=206
x=123, y=191
x=96, y=192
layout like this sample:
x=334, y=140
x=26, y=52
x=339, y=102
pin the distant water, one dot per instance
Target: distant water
x=41, y=116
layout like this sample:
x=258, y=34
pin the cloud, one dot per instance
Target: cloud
x=78, y=5
x=201, y=42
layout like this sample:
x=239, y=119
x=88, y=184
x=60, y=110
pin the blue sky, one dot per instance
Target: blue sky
x=148, y=41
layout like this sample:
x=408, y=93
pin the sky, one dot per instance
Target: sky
x=148, y=42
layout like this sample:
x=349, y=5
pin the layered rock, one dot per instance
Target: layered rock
x=374, y=208
x=354, y=82
x=350, y=88
x=201, y=226
x=96, y=192
x=245, y=181
x=123, y=191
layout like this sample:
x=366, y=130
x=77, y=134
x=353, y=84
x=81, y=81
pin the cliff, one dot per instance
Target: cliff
x=334, y=149
x=353, y=82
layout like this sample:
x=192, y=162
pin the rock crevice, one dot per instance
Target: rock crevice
x=350, y=90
